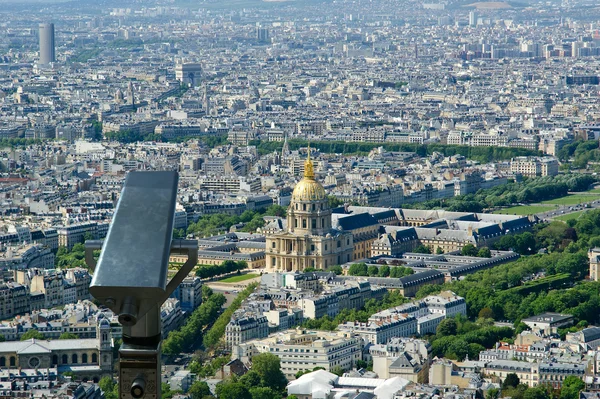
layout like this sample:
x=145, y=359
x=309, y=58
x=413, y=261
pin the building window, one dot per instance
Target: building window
x=314, y=223
x=54, y=360
x=295, y=222
x=13, y=361
x=65, y=359
x=303, y=207
x=339, y=244
x=303, y=223
x=74, y=358
x=2, y=361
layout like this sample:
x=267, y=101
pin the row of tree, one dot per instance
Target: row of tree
x=481, y=154
x=210, y=225
x=361, y=269
x=526, y=191
x=228, y=266
x=216, y=332
x=188, y=336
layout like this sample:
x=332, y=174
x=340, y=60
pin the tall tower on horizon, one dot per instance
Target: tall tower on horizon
x=46, y=33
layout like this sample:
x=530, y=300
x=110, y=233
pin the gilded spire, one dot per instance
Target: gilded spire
x=309, y=172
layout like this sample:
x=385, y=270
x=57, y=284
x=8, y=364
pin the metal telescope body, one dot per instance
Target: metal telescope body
x=130, y=276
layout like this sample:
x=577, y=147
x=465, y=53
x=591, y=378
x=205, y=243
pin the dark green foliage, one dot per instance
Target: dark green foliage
x=458, y=337
x=228, y=266
x=422, y=249
x=571, y=387
x=527, y=191
x=67, y=335
x=185, y=338
x=221, y=223
x=358, y=269
x=198, y=390
x=232, y=390
x=337, y=269
x=469, y=250
x=481, y=154
x=400, y=271
x=33, y=333
x=484, y=253
x=511, y=381
x=67, y=259
x=268, y=368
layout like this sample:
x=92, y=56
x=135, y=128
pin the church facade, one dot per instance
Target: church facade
x=307, y=239
x=87, y=358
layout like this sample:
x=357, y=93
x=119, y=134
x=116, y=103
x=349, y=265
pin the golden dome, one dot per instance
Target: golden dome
x=308, y=189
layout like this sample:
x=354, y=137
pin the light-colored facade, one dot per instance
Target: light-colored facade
x=594, y=256
x=309, y=240
x=300, y=350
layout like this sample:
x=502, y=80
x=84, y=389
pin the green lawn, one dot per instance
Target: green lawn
x=524, y=210
x=569, y=216
x=237, y=279
x=572, y=199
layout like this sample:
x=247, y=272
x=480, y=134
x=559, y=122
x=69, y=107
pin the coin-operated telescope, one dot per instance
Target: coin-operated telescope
x=130, y=277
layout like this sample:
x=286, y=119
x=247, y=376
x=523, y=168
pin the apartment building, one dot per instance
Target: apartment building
x=246, y=327
x=301, y=350
x=379, y=330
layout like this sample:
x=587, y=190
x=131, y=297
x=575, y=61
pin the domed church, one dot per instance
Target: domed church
x=307, y=239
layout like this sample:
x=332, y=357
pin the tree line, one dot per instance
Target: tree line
x=481, y=154
x=361, y=269
x=543, y=277
x=532, y=190
x=228, y=266
x=185, y=339
x=209, y=225
x=216, y=332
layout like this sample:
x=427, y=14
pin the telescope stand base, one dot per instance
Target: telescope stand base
x=139, y=372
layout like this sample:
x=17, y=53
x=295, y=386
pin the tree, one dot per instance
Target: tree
x=372, y=271
x=484, y=253
x=198, y=390
x=337, y=269
x=469, y=250
x=422, y=249
x=571, y=387
x=536, y=393
x=511, y=381
x=337, y=370
x=486, y=313
x=206, y=292
x=264, y=393
x=251, y=379
x=32, y=334
x=384, y=271
x=493, y=393
x=447, y=327
x=268, y=366
x=439, y=251
x=68, y=335
x=358, y=269
x=232, y=390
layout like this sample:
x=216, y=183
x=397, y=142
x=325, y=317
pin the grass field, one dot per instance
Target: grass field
x=237, y=279
x=524, y=210
x=573, y=199
x=569, y=216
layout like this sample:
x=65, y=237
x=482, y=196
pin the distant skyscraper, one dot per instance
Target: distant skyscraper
x=47, y=44
x=262, y=34
x=472, y=18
